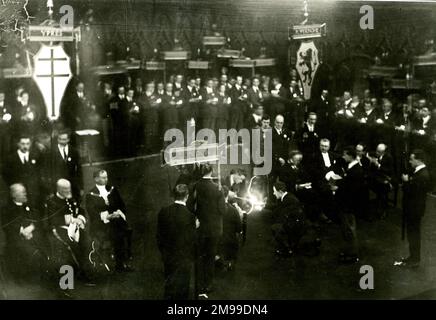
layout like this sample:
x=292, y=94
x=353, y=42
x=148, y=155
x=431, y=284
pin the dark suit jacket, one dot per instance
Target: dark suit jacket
x=318, y=170
x=350, y=188
x=13, y=218
x=415, y=194
x=176, y=233
x=231, y=224
x=95, y=204
x=385, y=171
x=309, y=141
x=70, y=169
x=289, y=210
x=250, y=123
x=280, y=144
x=57, y=209
x=254, y=98
x=14, y=171
x=291, y=177
x=209, y=206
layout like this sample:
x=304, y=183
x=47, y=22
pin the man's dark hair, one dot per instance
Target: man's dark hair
x=24, y=136
x=266, y=117
x=181, y=191
x=280, y=186
x=64, y=131
x=419, y=154
x=350, y=151
x=206, y=168
x=97, y=173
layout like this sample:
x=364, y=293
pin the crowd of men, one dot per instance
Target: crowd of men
x=332, y=150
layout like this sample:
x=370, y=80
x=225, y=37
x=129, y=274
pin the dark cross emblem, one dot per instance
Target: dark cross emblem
x=52, y=75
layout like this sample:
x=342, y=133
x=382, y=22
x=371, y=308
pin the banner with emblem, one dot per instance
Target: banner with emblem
x=306, y=65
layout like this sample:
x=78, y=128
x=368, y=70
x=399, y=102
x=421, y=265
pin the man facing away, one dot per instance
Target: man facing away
x=176, y=241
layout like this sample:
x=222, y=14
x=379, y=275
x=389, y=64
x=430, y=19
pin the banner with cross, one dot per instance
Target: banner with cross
x=52, y=73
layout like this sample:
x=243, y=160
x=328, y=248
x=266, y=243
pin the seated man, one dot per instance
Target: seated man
x=24, y=253
x=67, y=223
x=107, y=213
x=297, y=180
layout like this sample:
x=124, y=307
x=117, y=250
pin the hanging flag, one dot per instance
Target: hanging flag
x=307, y=64
x=52, y=73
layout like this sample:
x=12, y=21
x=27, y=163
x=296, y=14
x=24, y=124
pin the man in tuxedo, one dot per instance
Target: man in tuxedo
x=310, y=134
x=151, y=102
x=387, y=117
x=280, y=143
x=176, y=241
x=135, y=132
x=103, y=109
x=24, y=251
x=64, y=162
x=108, y=219
x=347, y=195
x=208, y=204
x=381, y=175
x=24, y=166
x=74, y=107
x=27, y=117
x=369, y=113
x=322, y=162
x=288, y=226
x=120, y=122
x=415, y=187
x=254, y=94
x=322, y=108
x=192, y=100
x=239, y=107
x=208, y=112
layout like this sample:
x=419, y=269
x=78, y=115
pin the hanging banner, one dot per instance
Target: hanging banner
x=52, y=73
x=306, y=65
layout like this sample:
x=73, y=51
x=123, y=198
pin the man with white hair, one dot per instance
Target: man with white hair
x=21, y=226
x=381, y=174
x=67, y=223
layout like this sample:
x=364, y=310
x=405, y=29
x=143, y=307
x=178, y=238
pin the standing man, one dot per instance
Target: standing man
x=348, y=194
x=310, y=135
x=415, y=187
x=176, y=241
x=239, y=106
x=64, y=163
x=107, y=214
x=24, y=166
x=209, y=207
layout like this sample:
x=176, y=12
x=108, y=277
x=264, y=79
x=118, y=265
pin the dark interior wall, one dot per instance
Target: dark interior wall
x=142, y=25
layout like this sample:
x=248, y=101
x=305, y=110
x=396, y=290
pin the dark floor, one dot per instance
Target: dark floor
x=259, y=274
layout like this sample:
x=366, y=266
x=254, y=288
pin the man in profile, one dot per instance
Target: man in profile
x=415, y=188
x=176, y=241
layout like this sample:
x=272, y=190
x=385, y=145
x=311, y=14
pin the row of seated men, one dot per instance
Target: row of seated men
x=88, y=236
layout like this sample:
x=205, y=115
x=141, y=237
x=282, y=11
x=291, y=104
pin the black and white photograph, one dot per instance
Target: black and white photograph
x=225, y=150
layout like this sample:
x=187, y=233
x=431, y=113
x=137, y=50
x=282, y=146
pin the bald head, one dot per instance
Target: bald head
x=381, y=149
x=279, y=121
x=63, y=188
x=18, y=193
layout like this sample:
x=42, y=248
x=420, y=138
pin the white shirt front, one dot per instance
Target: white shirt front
x=310, y=127
x=63, y=151
x=24, y=156
x=353, y=163
x=422, y=166
x=103, y=192
x=425, y=121
x=326, y=158
x=180, y=202
x=256, y=117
